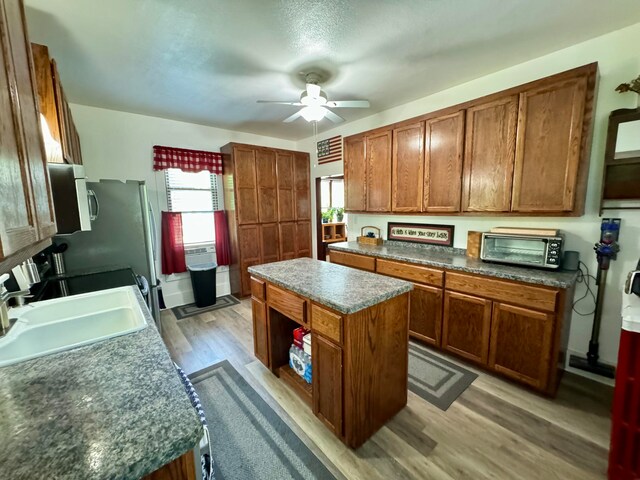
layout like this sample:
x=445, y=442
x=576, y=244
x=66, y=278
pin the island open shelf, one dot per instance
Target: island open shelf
x=359, y=344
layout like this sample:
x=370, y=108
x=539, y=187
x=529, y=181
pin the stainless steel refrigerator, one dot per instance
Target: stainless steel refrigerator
x=122, y=234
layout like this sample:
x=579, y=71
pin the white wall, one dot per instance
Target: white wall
x=618, y=62
x=118, y=145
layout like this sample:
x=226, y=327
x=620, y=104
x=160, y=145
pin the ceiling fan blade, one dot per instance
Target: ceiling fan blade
x=333, y=117
x=313, y=90
x=293, y=117
x=297, y=104
x=349, y=104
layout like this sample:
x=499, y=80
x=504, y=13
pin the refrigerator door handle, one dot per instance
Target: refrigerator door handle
x=93, y=215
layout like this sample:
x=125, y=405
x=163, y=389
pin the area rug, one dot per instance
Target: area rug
x=190, y=310
x=435, y=379
x=249, y=440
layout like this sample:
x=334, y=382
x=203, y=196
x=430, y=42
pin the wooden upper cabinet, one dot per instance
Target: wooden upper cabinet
x=246, y=185
x=521, y=343
x=378, y=162
x=489, y=155
x=407, y=168
x=18, y=227
x=548, y=149
x=286, y=187
x=444, y=149
x=355, y=174
x=302, y=181
x=267, y=185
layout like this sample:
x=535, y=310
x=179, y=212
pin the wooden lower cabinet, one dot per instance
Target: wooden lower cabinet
x=521, y=341
x=327, y=383
x=303, y=239
x=425, y=313
x=260, y=331
x=466, y=326
x=287, y=240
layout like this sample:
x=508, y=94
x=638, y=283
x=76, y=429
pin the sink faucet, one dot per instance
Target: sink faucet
x=5, y=295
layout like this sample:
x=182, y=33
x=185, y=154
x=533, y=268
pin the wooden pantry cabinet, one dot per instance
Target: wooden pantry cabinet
x=268, y=205
x=473, y=158
x=27, y=219
x=512, y=328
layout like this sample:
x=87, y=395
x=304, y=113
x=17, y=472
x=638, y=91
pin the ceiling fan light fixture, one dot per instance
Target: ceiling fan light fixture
x=313, y=113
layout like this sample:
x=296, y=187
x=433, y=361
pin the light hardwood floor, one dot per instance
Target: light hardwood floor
x=494, y=430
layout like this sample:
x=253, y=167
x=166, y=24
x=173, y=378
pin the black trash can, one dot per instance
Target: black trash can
x=203, y=281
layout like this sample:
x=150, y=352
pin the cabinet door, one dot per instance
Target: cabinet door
x=444, y=148
x=286, y=187
x=269, y=242
x=246, y=185
x=250, y=254
x=489, y=152
x=303, y=239
x=267, y=187
x=425, y=313
x=466, y=326
x=302, y=180
x=549, y=147
x=260, y=331
x=408, y=163
x=378, y=155
x=521, y=344
x=326, y=364
x=63, y=115
x=47, y=97
x=287, y=240
x=18, y=228
x=355, y=175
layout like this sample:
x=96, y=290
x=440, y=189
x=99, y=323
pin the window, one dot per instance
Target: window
x=196, y=196
x=331, y=193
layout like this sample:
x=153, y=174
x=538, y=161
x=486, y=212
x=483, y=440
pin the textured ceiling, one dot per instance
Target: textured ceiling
x=207, y=62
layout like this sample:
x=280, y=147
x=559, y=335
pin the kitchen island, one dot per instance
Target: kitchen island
x=112, y=409
x=359, y=326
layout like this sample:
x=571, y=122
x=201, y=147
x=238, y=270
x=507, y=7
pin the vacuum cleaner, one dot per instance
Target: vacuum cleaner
x=606, y=250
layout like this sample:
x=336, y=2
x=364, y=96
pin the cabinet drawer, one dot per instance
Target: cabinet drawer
x=515, y=293
x=257, y=288
x=326, y=323
x=414, y=273
x=287, y=303
x=352, y=260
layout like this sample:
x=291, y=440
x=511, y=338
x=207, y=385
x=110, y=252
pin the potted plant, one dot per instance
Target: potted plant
x=327, y=216
x=339, y=214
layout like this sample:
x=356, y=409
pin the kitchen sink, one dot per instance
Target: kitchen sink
x=52, y=326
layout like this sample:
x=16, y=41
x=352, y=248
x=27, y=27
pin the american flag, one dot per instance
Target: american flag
x=330, y=150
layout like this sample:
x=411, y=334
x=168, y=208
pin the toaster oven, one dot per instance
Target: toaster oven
x=525, y=250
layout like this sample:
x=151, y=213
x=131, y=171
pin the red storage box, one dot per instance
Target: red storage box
x=624, y=455
x=298, y=333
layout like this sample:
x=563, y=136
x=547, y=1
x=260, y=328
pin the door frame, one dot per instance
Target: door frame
x=320, y=246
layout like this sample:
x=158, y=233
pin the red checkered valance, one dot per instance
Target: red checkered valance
x=186, y=160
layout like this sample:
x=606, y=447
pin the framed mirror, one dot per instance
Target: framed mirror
x=621, y=182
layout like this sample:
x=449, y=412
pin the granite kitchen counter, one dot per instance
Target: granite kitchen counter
x=111, y=410
x=455, y=259
x=344, y=289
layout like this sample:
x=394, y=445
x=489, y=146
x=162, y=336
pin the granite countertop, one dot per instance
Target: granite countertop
x=344, y=289
x=455, y=259
x=112, y=410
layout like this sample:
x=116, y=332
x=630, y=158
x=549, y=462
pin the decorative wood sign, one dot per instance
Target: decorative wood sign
x=421, y=233
x=330, y=150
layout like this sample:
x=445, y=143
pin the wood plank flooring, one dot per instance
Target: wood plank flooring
x=494, y=430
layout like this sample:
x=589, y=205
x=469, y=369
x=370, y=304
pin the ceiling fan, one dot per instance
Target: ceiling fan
x=315, y=105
